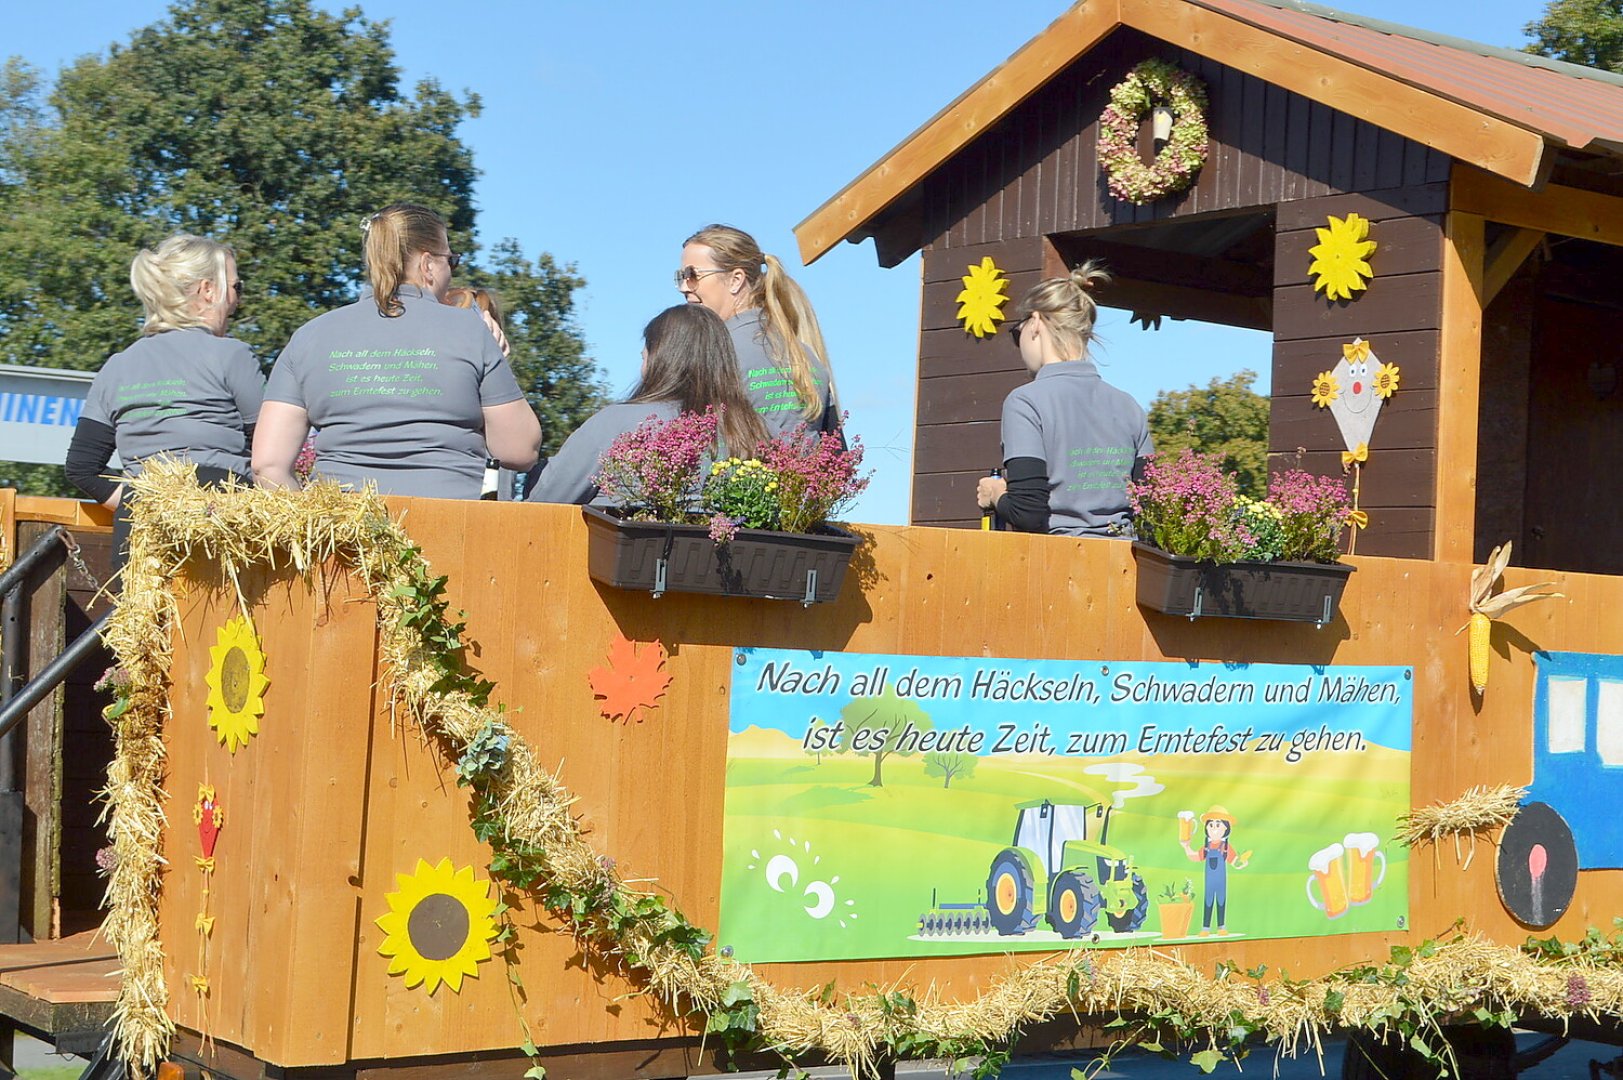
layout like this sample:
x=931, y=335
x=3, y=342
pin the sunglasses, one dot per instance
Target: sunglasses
x=236, y=288
x=690, y=275
x=1016, y=328
x=453, y=259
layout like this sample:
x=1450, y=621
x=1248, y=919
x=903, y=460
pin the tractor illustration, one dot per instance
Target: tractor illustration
x=1059, y=869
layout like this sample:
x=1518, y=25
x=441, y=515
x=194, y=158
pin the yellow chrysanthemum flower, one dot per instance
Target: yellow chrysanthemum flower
x=439, y=926
x=1325, y=389
x=1340, y=264
x=1386, y=380
x=980, y=305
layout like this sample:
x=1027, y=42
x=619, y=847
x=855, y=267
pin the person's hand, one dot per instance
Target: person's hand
x=496, y=332
x=989, y=491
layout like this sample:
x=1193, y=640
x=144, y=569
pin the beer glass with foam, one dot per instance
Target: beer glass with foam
x=1363, y=849
x=1327, y=866
x=1186, y=825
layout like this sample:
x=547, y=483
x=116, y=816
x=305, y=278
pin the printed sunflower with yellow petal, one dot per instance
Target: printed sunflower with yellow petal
x=439, y=926
x=980, y=304
x=237, y=683
x=1340, y=265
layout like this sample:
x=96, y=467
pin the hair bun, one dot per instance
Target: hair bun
x=1090, y=274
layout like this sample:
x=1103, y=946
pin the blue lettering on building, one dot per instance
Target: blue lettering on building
x=40, y=409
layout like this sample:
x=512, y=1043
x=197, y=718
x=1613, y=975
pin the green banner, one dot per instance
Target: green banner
x=902, y=806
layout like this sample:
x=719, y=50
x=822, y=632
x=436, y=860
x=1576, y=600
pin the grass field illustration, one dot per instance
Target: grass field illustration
x=823, y=863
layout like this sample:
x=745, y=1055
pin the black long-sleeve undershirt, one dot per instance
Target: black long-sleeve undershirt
x=1024, y=506
x=88, y=454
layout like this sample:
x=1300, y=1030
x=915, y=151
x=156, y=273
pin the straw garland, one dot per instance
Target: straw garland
x=524, y=813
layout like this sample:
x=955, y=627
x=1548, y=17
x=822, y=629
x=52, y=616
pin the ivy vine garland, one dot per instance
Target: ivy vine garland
x=1152, y=83
x=538, y=845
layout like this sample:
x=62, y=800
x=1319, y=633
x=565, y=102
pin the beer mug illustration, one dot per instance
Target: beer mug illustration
x=1186, y=825
x=1328, y=874
x=1362, y=879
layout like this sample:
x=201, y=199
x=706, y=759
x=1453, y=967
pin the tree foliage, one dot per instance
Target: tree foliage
x=950, y=764
x=1224, y=417
x=875, y=725
x=270, y=125
x=1588, y=32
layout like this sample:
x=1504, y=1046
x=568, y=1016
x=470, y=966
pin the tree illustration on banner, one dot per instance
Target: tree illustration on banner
x=880, y=726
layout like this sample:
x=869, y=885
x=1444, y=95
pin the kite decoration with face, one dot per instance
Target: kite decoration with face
x=1353, y=391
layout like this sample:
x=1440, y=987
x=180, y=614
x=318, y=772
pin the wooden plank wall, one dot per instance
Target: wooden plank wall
x=1035, y=174
x=1400, y=315
x=334, y=798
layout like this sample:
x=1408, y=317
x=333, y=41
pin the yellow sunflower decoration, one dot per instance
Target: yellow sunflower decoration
x=980, y=305
x=439, y=926
x=1386, y=380
x=1341, y=257
x=1325, y=389
x=236, y=681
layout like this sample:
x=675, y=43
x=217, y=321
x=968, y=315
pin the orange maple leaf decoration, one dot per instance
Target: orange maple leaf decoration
x=633, y=682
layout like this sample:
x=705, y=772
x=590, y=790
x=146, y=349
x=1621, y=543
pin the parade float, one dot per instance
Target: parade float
x=403, y=788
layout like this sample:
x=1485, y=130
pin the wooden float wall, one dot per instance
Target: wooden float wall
x=1032, y=183
x=335, y=797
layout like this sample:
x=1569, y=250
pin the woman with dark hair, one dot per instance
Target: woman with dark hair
x=781, y=354
x=184, y=389
x=688, y=366
x=1070, y=439
x=406, y=391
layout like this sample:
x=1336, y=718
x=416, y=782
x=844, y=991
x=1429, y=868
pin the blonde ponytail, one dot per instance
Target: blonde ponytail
x=165, y=280
x=793, y=336
x=392, y=236
x=1067, y=306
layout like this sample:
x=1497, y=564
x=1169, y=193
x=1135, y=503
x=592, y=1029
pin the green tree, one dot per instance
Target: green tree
x=1224, y=417
x=1588, y=32
x=947, y=766
x=875, y=725
x=268, y=124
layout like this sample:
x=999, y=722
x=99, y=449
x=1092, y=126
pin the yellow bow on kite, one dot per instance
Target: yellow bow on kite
x=1358, y=350
x=1358, y=519
x=1359, y=453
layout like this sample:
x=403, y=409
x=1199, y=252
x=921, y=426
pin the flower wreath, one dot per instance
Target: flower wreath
x=1150, y=83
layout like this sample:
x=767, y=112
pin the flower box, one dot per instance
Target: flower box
x=658, y=557
x=1286, y=591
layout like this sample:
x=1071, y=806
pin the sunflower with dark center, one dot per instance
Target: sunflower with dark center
x=236, y=681
x=439, y=926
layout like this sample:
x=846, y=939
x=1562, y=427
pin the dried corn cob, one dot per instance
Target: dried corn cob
x=1485, y=607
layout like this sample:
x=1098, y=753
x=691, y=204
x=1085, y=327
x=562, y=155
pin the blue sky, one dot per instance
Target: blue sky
x=612, y=130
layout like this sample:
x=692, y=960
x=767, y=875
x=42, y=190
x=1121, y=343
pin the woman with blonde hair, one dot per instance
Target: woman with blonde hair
x=689, y=365
x=1070, y=439
x=781, y=353
x=406, y=391
x=184, y=389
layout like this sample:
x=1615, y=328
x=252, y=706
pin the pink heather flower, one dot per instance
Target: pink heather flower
x=655, y=470
x=722, y=528
x=305, y=464
x=1578, y=994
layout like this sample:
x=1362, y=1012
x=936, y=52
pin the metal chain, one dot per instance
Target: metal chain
x=78, y=561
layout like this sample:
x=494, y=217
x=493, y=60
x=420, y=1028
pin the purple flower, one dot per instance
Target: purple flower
x=1578, y=994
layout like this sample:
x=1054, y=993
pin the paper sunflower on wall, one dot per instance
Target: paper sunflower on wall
x=980, y=305
x=1340, y=265
x=236, y=681
x=439, y=926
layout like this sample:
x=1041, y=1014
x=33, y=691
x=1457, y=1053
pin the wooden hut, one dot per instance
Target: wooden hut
x=1493, y=182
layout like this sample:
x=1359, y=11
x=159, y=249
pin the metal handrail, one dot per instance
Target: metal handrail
x=51, y=676
x=36, y=553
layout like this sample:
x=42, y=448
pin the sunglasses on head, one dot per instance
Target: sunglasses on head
x=453, y=259
x=1017, y=328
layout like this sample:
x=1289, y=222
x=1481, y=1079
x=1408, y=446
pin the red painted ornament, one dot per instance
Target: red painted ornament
x=210, y=819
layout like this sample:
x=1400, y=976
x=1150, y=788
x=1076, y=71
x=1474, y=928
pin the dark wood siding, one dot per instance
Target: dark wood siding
x=1400, y=315
x=1033, y=179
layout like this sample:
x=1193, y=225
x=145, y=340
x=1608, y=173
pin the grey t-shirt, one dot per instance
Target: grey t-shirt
x=397, y=401
x=181, y=392
x=568, y=473
x=767, y=381
x=1089, y=433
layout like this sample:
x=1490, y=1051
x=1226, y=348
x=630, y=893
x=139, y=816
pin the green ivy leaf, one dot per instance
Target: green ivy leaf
x=536, y=1072
x=1206, y=1060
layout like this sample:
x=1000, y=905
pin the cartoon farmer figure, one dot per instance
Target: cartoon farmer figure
x=1217, y=825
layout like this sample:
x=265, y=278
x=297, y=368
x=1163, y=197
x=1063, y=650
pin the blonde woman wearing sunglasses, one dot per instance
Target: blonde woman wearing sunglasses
x=406, y=391
x=780, y=346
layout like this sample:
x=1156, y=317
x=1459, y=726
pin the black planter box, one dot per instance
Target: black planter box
x=1285, y=591
x=656, y=557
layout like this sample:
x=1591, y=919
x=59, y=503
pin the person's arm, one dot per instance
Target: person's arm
x=278, y=437
x=1024, y=505
x=513, y=434
x=88, y=454
x=568, y=475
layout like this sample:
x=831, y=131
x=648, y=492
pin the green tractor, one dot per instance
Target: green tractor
x=1056, y=869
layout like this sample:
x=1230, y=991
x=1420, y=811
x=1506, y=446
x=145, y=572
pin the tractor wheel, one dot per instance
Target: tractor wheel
x=1074, y=906
x=1009, y=889
x=1133, y=918
x=928, y=925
